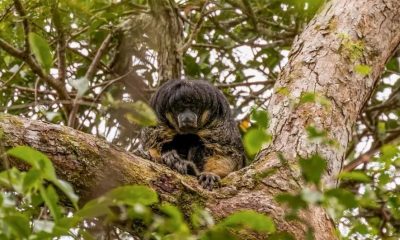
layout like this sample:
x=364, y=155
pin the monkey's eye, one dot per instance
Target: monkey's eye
x=182, y=107
x=179, y=108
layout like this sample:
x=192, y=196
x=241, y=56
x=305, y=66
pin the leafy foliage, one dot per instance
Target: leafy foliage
x=32, y=208
x=257, y=135
x=41, y=50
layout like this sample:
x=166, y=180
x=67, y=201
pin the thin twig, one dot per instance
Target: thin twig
x=195, y=31
x=100, y=52
x=47, y=102
x=36, y=90
x=251, y=14
x=7, y=10
x=238, y=84
x=89, y=76
x=61, y=43
x=3, y=85
x=107, y=85
x=366, y=157
x=48, y=92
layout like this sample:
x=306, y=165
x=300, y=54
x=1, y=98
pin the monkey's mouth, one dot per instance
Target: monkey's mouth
x=188, y=128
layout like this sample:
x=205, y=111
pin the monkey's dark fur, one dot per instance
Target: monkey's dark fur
x=196, y=133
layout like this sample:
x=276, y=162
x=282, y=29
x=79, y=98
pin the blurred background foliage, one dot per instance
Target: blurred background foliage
x=93, y=64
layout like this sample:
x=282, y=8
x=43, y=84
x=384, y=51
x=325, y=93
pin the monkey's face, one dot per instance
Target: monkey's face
x=189, y=106
x=187, y=118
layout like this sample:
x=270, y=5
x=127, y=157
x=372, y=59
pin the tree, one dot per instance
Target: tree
x=332, y=76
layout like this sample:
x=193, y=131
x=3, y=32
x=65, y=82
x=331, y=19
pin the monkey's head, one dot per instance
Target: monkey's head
x=189, y=106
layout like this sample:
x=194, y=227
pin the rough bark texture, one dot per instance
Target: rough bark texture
x=169, y=39
x=162, y=31
x=323, y=60
x=346, y=33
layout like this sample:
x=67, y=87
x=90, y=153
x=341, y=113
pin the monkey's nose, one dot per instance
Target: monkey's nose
x=187, y=119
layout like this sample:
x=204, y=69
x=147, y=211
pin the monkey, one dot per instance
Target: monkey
x=196, y=134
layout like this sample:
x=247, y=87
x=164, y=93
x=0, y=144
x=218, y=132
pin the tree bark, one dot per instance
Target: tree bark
x=324, y=59
x=169, y=33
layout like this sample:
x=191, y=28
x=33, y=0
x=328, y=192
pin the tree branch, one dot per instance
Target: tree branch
x=62, y=92
x=366, y=157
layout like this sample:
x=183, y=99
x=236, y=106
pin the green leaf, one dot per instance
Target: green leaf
x=174, y=223
x=261, y=118
x=307, y=97
x=396, y=162
x=384, y=178
x=357, y=176
x=81, y=85
x=312, y=97
x=172, y=211
x=86, y=235
x=50, y=197
x=140, y=113
x=191, y=67
x=393, y=65
x=254, y=139
x=27, y=154
x=95, y=208
x=139, y=211
x=394, y=206
x=18, y=224
x=41, y=50
x=315, y=134
x=363, y=70
x=67, y=190
x=32, y=178
x=251, y=220
x=283, y=91
x=389, y=152
x=360, y=228
x=35, y=158
x=131, y=195
x=218, y=234
x=295, y=202
x=313, y=168
x=344, y=197
x=381, y=127
x=12, y=178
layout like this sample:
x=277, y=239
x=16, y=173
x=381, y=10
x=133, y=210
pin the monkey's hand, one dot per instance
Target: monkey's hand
x=209, y=180
x=174, y=161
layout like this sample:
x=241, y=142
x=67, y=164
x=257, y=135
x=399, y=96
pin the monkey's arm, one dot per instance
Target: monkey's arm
x=215, y=168
x=227, y=154
x=172, y=159
x=219, y=165
x=153, y=140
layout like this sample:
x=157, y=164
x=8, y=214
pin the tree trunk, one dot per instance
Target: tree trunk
x=344, y=35
x=169, y=38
